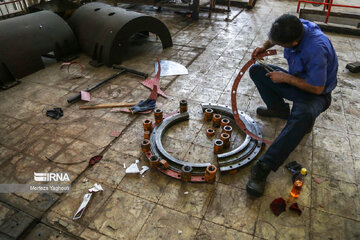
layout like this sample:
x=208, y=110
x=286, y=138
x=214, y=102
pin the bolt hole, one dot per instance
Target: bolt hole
x=110, y=14
x=211, y=168
x=230, y=166
x=96, y=9
x=187, y=168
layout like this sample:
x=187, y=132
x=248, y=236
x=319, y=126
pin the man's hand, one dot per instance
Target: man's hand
x=279, y=77
x=268, y=44
x=282, y=77
x=258, y=51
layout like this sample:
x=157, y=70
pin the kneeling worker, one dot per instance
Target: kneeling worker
x=308, y=84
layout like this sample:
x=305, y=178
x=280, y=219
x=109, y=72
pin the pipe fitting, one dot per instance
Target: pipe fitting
x=158, y=114
x=147, y=135
x=183, y=106
x=186, y=173
x=218, y=146
x=216, y=120
x=210, y=132
x=208, y=116
x=147, y=123
x=145, y=145
x=227, y=129
x=154, y=161
x=210, y=174
x=225, y=137
x=224, y=122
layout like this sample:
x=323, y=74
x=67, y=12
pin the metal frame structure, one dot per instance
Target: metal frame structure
x=327, y=4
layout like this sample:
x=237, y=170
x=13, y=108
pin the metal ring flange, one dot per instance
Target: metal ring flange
x=250, y=147
x=235, y=111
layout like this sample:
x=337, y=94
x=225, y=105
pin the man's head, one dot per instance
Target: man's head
x=286, y=31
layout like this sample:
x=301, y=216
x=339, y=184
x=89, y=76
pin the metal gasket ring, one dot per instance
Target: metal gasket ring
x=175, y=165
x=244, y=153
x=235, y=111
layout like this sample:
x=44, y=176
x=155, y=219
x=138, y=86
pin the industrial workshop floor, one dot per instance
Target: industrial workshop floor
x=155, y=206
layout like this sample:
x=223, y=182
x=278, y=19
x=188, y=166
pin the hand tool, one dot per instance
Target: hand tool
x=108, y=105
x=123, y=70
x=266, y=66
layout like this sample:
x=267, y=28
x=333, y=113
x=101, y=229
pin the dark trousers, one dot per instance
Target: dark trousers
x=306, y=108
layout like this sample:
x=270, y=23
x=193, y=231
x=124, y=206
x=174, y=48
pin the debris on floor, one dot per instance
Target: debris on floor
x=115, y=133
x=85, y=96
x=86, y=200
x=144, y=169
x=154, y=82
x=95, y=160
x=295, y=207
x=294, y=169
x=133, y=168
x=317, y=180
x=353, y=67
x=55, y=113
x=171, y=68
x=278, y=206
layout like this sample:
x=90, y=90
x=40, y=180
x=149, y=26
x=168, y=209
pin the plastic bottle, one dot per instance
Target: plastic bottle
x=299, y=181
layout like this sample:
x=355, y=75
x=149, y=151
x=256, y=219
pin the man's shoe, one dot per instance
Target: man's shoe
x=256, y=183
x=282, y=113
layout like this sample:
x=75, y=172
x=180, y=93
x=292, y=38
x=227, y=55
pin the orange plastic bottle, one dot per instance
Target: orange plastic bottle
x=299, y=181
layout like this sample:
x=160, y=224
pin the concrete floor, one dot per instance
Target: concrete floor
x=155, y=206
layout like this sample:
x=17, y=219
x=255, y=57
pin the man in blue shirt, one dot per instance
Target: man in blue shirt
x=308, y=84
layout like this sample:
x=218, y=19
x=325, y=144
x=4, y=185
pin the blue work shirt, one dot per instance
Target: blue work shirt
x=314, y=58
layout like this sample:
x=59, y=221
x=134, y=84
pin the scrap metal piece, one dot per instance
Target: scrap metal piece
x=103, y=31
x=26, y=38
x=183, y=106
x=170, y=68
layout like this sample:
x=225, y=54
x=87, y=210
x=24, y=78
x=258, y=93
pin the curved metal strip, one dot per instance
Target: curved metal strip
x=158, y=149
x=235, y=111
x=247, y=151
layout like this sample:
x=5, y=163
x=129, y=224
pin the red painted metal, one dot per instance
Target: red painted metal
x=329, y=4
x=151, y=82
x=234, y=92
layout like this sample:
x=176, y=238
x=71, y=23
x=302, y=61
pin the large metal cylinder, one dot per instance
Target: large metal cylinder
x=24, y=39
x=103, y=30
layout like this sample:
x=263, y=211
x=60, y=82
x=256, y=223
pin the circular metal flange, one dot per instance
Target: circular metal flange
x=244, y=153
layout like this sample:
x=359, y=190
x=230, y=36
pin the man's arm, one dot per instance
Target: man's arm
x=281, y=77
x=268, y=44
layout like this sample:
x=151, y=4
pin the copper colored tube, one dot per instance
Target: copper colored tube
x=186, y=173
x=227, y=129
x=147, y=135
x=158, y=113
x=208, y=116
x=154, y=161
x=226, y=140
x=145, y=145
x=224, y=122
x=218, y=146
x=210, y=132
x=147, y=125
x=183, y=106
x=210, y=173
x=216, y=120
